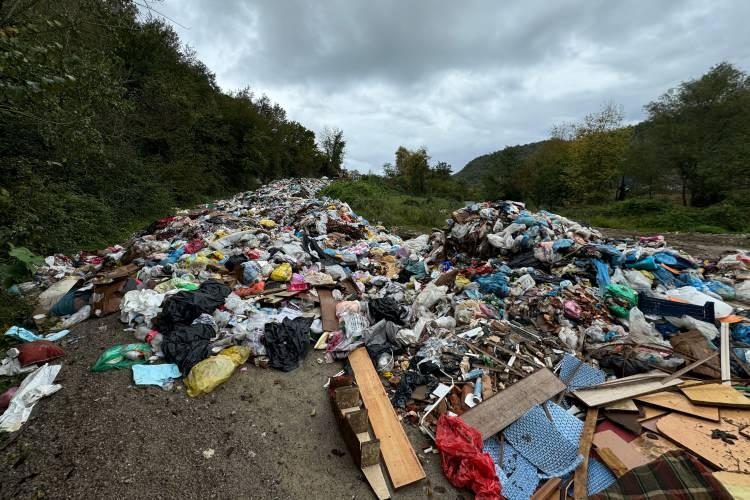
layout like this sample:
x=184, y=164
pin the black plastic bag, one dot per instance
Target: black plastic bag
x=387, y=308
x=187, y=345
x=183, y=307
x=287, y=342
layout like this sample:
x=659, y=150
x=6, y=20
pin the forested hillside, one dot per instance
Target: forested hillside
x=107, y=122
x=691, y=151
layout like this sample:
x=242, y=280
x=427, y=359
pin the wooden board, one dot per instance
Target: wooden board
x=695, y=435
x=505, y=407
x=738, y=485
x=612, y=461
x=400, y=460
x=624, y=405
x=715, y=395
x=650, y=425
x=328, y=310
x=676, y=401
x=626, y=420
x=652, y=445
x=374, y=476
x=581, y=477
x=547, y=490
x=735, y=416
x=605, y=394
x=650, y=412
x=624, y=451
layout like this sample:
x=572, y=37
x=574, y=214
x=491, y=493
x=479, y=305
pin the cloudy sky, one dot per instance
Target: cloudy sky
x=462, y=78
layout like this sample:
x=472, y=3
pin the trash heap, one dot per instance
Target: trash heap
x=520, y=342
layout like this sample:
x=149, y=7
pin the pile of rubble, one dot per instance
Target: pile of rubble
x=530, y=348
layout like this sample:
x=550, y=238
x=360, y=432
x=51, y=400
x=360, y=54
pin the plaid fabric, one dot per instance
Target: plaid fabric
x=676, y=475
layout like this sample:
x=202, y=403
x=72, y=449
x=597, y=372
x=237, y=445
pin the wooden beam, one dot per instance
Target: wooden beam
x=505, y=407
x=582, y=471
x=684, y=370
x=400, y=460
x=547, y=490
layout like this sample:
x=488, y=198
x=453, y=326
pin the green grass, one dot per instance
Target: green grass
x=374, y=199
x=655, y=215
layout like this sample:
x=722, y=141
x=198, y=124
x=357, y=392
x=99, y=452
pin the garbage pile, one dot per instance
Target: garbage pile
x=520, y=324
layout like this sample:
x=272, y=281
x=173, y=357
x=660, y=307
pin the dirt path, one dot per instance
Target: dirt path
x=696, y=244
x=101, y=436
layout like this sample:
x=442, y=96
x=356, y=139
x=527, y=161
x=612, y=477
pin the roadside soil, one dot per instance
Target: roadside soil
x=273, y=436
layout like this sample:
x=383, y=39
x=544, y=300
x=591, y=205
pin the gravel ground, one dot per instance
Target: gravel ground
x=273, y=436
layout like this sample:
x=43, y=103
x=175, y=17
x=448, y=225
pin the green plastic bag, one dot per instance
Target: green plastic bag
x=620, y=299
x=122, y=356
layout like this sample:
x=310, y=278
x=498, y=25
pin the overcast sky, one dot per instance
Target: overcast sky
x=462, y=78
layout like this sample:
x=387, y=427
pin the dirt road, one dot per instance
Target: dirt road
x=101, y=436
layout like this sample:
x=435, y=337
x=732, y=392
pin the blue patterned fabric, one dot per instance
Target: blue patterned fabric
x=518, y=477
x=585, y=376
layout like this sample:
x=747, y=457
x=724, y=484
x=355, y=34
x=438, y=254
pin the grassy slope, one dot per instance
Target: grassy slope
x=376, y=201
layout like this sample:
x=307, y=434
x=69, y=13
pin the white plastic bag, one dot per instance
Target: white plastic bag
x=642, y=331
x=33, y=388
x=693, y=296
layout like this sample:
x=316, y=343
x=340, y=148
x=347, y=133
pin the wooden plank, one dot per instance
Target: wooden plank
x=676, y=401
x=738, y=485
x=400, y=460
x=650, y=412
x=581, y=477
x=602, y=394
x=624, y=451
x=624, y=405
x=684, y=370
x=505, y=407
x=627, y=420
x=610, y=460
x=715, y=395
x=327, y=310
x=374, y=476
x=694, y=434
x=726, y=373
x=547, y=490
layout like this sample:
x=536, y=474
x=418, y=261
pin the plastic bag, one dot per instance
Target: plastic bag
x=38, y=352
x=122, y=356
x=462, y=459
x=283, y=272
x=210, y=373
x=642, y=331
x=620, y=299
x=496, y=283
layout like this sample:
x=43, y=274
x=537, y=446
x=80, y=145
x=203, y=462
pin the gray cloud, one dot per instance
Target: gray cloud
x=461, y=78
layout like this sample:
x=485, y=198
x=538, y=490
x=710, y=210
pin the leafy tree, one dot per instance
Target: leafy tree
x=333, y=147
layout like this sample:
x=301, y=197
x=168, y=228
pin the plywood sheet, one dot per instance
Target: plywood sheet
x=626, y=388
x=624, y=451
x=735, y=416
x=738, y=485
x=399, y=457
x=328, y=310
x=676, y=401
x=505, y=407
x=650, y=412
x=715, y=395
x=695, y=435
x=624, y=405
x=652, y=445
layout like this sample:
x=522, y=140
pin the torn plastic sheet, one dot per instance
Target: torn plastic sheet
x=161, y=375
x=28, y=336
x=34, y=387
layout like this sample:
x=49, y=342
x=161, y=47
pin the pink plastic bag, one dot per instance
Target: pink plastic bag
x=464, y=463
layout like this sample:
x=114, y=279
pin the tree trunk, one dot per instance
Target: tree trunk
x=684, y=192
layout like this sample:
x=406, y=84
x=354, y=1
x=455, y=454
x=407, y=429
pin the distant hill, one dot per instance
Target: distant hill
x=494, y=164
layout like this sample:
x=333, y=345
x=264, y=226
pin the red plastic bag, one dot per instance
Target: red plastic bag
x=464, y=463
x=38, y=352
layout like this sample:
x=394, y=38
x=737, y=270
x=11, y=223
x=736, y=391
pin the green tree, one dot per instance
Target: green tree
x=700, y=131
x=332, y=147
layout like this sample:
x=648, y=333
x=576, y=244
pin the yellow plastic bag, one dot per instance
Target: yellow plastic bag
x=461, y=281
x=267, y=223
x=210, y=373
x=282, y=273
